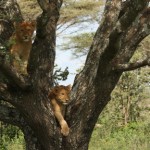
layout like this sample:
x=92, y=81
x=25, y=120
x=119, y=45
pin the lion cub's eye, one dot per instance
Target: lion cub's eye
x=62, y=93
x=21, y=30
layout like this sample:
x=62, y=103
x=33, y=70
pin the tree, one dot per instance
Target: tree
x=128, y=93
x=124, y=25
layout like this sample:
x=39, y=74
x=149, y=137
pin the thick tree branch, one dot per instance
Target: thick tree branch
x=13, y=77
x=60, y=2
x=9, y=115
x=132, y=66
x=50, y=13
x=43, y=4
x=42, y=55
x=130, y=39
x=129, y=12
x=101, y=39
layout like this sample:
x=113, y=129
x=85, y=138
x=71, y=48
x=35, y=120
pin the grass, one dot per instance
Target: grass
x=132, y=137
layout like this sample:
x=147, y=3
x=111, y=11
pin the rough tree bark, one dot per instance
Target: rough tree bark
x=124, y=25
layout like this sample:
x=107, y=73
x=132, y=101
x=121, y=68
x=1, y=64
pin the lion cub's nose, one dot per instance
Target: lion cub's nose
x=67, y=99
x=26, y=37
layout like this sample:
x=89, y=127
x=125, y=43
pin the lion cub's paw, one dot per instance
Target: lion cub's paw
x=65, y=129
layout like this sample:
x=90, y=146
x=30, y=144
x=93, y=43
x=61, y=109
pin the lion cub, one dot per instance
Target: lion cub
x=59, y=97
x=21, y=44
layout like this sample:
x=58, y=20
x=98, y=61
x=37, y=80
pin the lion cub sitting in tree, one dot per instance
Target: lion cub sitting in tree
x=59, y=98
x=21, y=44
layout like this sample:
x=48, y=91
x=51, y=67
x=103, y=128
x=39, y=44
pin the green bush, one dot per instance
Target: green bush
x=11, y=138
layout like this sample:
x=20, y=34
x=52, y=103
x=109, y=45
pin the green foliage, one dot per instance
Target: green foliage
x=71, y=11
x=79, y=44
x=16, y=144
x=60, y=75
x=11, y=138
x=79, y=11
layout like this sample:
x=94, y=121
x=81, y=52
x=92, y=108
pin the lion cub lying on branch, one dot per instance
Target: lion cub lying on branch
x=59, y=97
x=21, y=44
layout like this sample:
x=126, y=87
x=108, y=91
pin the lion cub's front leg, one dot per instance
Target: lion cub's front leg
x=60, y=118
x=62, y=122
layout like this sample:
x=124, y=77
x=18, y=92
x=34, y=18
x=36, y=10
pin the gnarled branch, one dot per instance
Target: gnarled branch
x=132, y=66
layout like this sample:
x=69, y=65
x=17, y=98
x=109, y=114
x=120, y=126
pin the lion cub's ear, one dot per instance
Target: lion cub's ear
x=33, y=24
x=69, y=87
x=53, y=92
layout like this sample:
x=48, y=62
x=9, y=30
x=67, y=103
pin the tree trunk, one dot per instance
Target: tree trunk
x=109, y=53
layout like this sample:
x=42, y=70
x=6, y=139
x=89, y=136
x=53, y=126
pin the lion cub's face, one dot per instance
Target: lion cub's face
x=61, y=93
x=24, y=30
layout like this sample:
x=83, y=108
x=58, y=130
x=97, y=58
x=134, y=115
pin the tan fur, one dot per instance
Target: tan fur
x=22, y=43
x=59, y=97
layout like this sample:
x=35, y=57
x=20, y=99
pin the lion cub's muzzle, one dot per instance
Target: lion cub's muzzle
x=26, y=38
x=66, y=102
